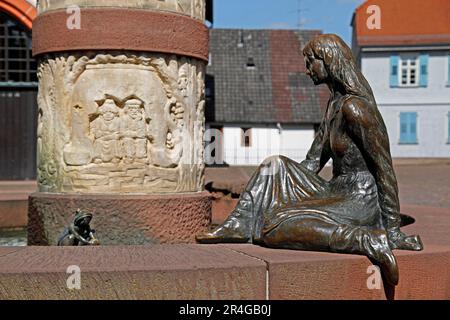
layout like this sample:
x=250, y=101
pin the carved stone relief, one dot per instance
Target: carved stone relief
x=121, y=123
x=192, y=8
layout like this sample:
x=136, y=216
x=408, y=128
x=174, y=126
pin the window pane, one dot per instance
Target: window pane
x=15, y=43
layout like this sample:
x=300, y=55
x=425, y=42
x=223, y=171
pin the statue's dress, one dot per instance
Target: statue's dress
x=296, y=203
x=286, y=204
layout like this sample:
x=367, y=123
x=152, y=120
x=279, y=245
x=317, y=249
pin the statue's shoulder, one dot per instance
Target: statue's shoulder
x=357, y=110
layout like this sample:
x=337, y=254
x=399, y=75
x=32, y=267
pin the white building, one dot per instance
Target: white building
x=259, y=97
x=407, y=63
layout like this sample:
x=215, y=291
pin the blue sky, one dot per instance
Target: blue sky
x=331, y=16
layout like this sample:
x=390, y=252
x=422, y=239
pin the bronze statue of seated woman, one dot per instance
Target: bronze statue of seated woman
x=288, y=205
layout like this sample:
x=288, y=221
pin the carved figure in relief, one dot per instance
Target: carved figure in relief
x=106, y=132
x=198, y=9
x=183, y=80
x=134, y=132
x=97, y=123
x=166, y=136
x=180, y=6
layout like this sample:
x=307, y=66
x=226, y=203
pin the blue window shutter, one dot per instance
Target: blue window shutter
x=404, y=127
x=413, y=127
x=408, y=127
x=424, y=69
x=394, y=71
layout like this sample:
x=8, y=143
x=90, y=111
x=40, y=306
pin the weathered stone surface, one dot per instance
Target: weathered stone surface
x=226, y=271
x=110, y=29
x=295, y=275
x=212, y=272
x=300, y=275
x=192, y=8
x=150, y=272
x=121, y=219
x=120, y=124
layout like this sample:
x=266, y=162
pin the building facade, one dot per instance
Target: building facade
x=406, y=59
x=260, y=102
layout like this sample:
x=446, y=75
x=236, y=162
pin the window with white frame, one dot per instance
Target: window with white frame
x=409, y=71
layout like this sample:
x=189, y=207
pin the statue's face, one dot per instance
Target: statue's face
x=315, y=68
x=183, y=82
x=134, y=111
x=109, y=116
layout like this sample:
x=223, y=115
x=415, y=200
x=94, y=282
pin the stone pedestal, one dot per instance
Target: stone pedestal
x=122, y=219
x=121, y=119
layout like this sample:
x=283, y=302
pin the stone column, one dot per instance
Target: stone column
x=121, y=119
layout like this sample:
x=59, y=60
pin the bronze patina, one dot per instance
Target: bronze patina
x=288, y=205
x=79, y=233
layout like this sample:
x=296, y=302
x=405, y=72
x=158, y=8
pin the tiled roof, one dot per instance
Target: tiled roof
x=258, y=76
x=404, y=22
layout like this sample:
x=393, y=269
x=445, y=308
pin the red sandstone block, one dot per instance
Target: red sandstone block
x=298, y=275
x=222, y=208
x=432, y=224
x=13, y=213
x=121, y=219
x=133, y=272
x=424, y=275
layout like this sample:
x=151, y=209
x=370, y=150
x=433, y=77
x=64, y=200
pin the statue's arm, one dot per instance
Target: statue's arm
x=366, y=128
x=317, y=158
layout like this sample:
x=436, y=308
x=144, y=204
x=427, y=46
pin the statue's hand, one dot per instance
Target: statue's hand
x=400, y=241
